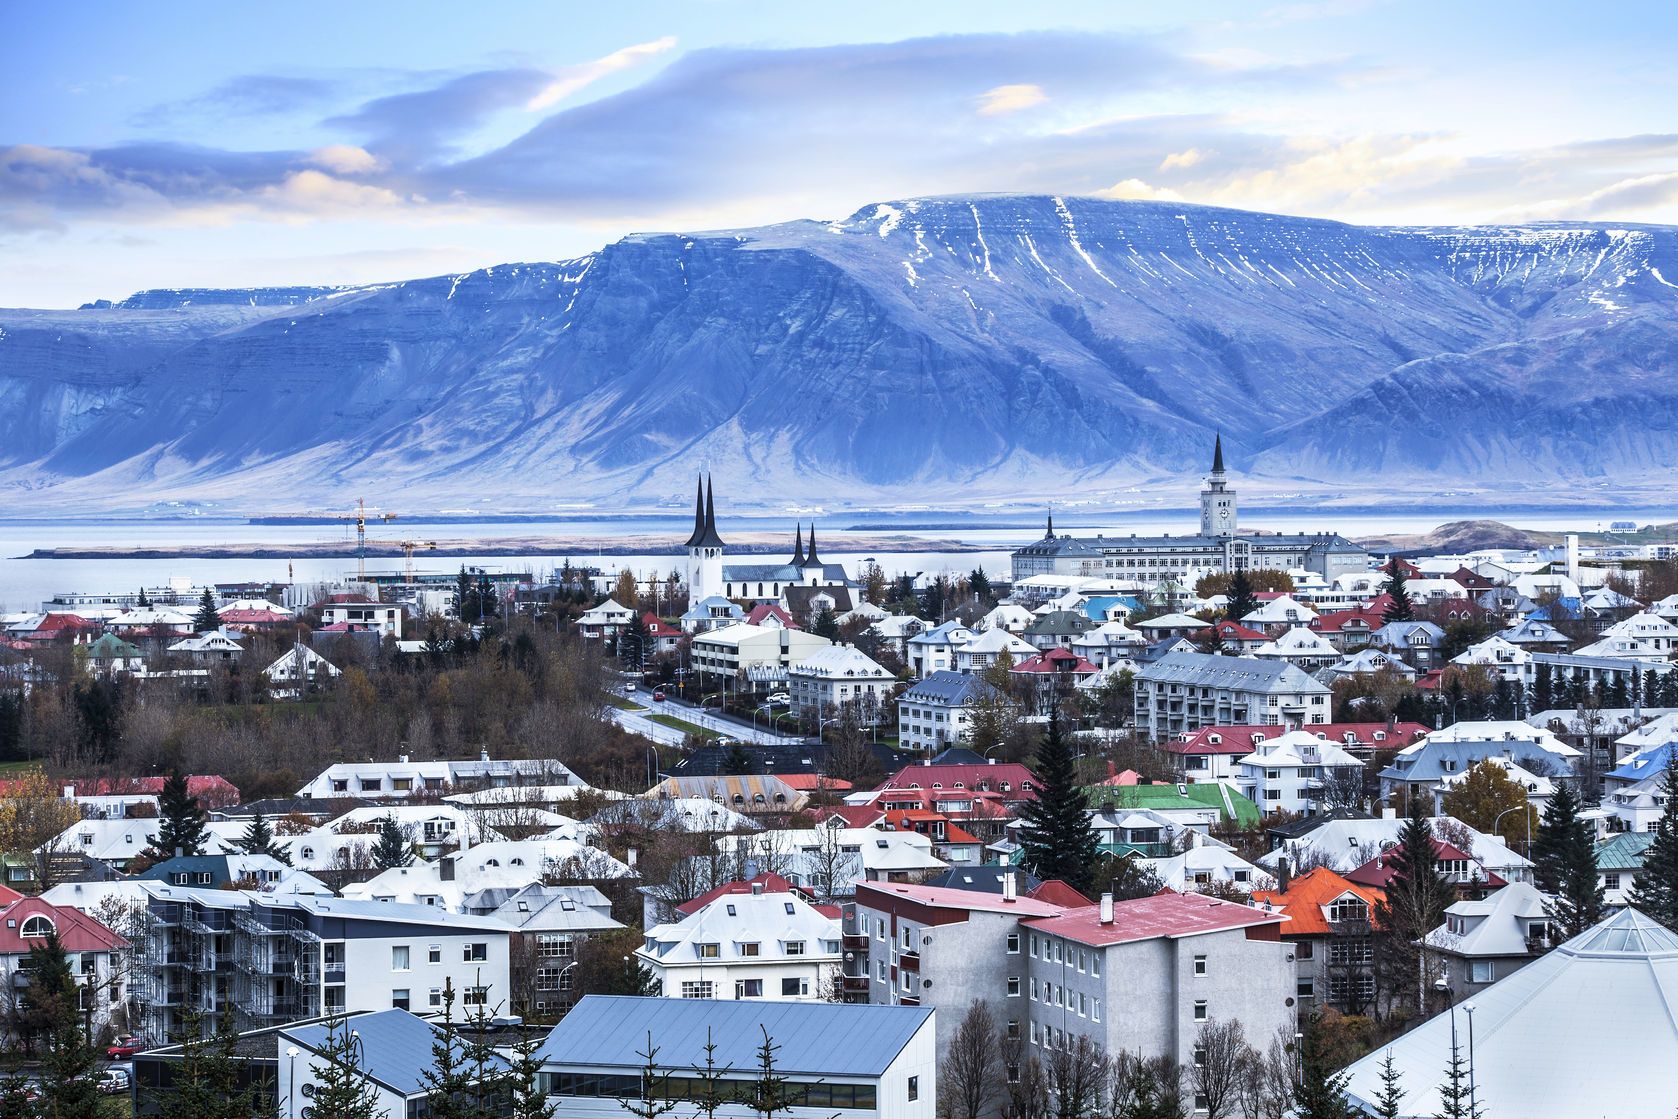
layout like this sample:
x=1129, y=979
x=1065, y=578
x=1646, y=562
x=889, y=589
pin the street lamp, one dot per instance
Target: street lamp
x=652, y=765
x=1499, y=819
x=291, y=1083
x=1473, y=1104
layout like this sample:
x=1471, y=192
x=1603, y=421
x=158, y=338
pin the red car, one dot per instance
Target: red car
x=125, y=1048
x=658, y=697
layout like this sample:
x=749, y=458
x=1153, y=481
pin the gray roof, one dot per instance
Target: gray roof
x=814, y=1038
x=1613, y=664
x=953, y=689
x=1061, y=621
x=1427, y=761
x=396, y=1046
x=1212, y=670
x=761, y=572
x=1098, y=545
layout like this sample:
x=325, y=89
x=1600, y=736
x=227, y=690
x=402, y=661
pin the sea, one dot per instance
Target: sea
x=904, y=543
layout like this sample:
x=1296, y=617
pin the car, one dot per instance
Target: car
x=125, y=1047
x=112, y=1082
x=658, y=696
x=628, y=686
x=779, y=698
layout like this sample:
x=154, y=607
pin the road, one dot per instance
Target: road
x=709, y=720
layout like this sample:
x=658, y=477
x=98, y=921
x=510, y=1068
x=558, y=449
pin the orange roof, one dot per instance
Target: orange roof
x=1056, y=892
x=814, y=782
x=1308, y=895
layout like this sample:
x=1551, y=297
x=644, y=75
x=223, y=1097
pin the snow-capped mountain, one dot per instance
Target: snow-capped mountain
x=930, y=349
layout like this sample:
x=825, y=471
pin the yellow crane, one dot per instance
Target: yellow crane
x=359, y=519
x=409, y=547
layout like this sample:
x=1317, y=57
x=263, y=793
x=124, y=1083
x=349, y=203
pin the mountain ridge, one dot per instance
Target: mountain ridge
x=961, y=347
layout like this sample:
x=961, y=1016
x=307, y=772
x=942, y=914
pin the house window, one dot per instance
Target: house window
x=795, y=947
x=1013, y=944
x=1302, y=950
x=748, y=988
x=1306, y=989
x=399, y=999
x=1014, y=987
x=553, y=944
x=399, y=957
x=710, y=951
x=792, y=987
x=749, y=949
x=701, y=990
x=36, y=927
x=475, y=953
x=914, y=1088
x=474, y=996
x=1611, y=881
x=434, y=954
x=547, y=978
x=1481, y=971
x=1200, y=1010
x=1200, y=965
x=436, y=996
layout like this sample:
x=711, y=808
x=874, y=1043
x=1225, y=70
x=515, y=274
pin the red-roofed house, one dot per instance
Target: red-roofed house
x=1049, y=675
x=53, y=628
x=1348, y=630
x=212, y=790
x=950, y=841
x=361, y=613
x=661, y=635
x=96, y=953
x=1056, y=892
x=771, y=614
x=1210, y=753
x=815, y=783
x=1234, y=637
x=1330, y=919
x=1472, y=879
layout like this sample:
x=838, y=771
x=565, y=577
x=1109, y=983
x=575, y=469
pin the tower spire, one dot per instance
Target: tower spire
x=1218, y=454
x=798, y=547
x=698, y=532
x=1051, y=532
x=705, y=517
x=810, y=558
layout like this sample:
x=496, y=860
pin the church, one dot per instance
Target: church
x=790, y=583
x=1217, y=548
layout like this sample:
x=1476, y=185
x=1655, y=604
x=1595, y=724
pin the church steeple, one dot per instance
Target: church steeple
x=1217, y=500
x=1218, y=454
x=798, y=547
x=1050, y=534
x=704, y=518
x=810, y=559
x=698, y=514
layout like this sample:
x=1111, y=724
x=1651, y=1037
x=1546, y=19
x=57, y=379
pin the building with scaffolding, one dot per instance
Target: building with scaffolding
x=266, y=960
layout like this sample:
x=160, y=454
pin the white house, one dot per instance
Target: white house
x=832, y=677
x=1301, y=647
x=935, y=650
x=746, y=946
x=939, y=710
x=215, y=647
x=299, y=671
x=1288, y=773
x=360, y=612
x=982, y=652
x=1279, y=613
x=605, y=621
x=732, y=649
x=404, y=778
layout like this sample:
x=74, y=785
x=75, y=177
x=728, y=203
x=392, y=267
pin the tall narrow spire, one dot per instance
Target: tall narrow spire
x=798, y=547
x=810, y=558
x=1050, y=534
x=698, y=532
x=705, y=518
x=1218, y=454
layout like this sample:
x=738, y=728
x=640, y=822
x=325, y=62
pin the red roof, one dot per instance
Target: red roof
x=1377, y=872
x=814, y=782
x=769, y=610
x=854, y=815
x=1056, y=660
x=1359, y=620
x=252, y=617
x=212, y=790
x=947, y=897
x=7, y=896
x=1021, y=782
x=77, y=932
x=58, y=623
x=658, y=627
x=1309, y=894
x=1239, y=740
x=913, y=819
x=772, y=884
x=1234, y=631
x=1056, y=892
x=1163, y=915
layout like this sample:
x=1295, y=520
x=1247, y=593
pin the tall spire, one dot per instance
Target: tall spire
x=1218, y=454
x=798, y=547
x=810, y=559
x=698, y=532
x=1051, y=533
x=705, y=518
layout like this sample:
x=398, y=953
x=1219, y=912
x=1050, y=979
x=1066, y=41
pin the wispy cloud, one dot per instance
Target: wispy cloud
x=1010, y=99
x=573, y=79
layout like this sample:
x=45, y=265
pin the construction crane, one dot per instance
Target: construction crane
x=359, y=519
x=409, y=547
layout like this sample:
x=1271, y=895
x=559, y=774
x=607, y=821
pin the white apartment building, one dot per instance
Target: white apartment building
x=1186, y=691
x=832, y=677
x=935, y=650
x=746, y=946
x=939, y=710
x=1287, y=773
x=404, y=778
x=728, y=651
x=363, y=613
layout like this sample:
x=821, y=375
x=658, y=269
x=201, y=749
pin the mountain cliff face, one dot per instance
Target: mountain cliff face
x=934, y=349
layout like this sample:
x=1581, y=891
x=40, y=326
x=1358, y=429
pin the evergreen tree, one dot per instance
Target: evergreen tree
x=1390, y=1096
x=342, y=1087
x=826, y=624
x=1413, y=905
x=1543, y=689
x=736, y=762
x=767, y=1093
x=1058, y=839
x=181, y=820
x=1564, y=864
x=205, y=1081
x=528, y=1099
x=448, y=1083
x=1455, y=1101
x=143, y=602
x=393, y=848
x=711, y=1088
x=1320, y=1093
x=68, y=1059
x=1656, y=890
x=1241, y=598
x=1400, y=609
x=654, y=1099
x=259, y=840
x=980, y=582
x=208, y=617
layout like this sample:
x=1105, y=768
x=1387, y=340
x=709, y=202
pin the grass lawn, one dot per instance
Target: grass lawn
x=624, y=704
x=683, y=725
x=17, y=769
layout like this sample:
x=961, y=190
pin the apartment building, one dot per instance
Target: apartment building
x=832, y=677
x=274, y=959
x=757, y=945
x=1182, y=692
x=939, y=710
x=404, y=778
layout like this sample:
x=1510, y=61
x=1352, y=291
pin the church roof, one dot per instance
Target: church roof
x=704, y=518
x=1218, y=455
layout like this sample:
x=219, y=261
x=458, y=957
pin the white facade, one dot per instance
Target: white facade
x=384, y=617
x=746, y=946
x=1287, y=773
x=832, y=677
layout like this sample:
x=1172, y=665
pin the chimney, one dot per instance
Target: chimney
x=757, y=887
x=445, y=869
x=402, y=759
x=483, y=755
x=990, y=761
x=631, y=856
x=1008, y=886
x=1107, y=909
x=1284, y=874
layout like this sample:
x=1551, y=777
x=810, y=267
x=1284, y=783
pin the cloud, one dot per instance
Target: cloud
x=346, y=159
x=571, y=79
x=1137, y=189
x=248, y=95
x=412, y=127
x=1182, y=159
x=1010, y=99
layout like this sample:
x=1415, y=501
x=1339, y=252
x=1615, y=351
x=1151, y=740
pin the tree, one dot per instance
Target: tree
x=1389, y=1098
x=1058, y=839
x=1456, y=1100
x=972, y=1068
x=259, y=840
x=825, y=623
x=529, y=1101
x=1221, y=1053
x=342, y=1088
x=767, y=1092
x=711, y=1089
x=205, y=1081
x=736, y=762
x=142, y=602
x=182, y=822
x=980, y=584
x=1655, y=892
x=33, y=812
x=392, y=848
x=625, y=593
x=1127, y=878
x=208, y=617
x=68, y=1059
x=1400, y=609
x=1414, y=905
x=1320, y=1093
x=1241, y=599
x=1485, y=793
x=1564, y=864
x=1077, y=1074
x=654, y=1098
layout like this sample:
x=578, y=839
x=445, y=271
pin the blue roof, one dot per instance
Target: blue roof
x=1427, y=761
x=395, y=1046
x=815, y=1038
x=1569, y=608
x=1645, y=764
x=1096, y=608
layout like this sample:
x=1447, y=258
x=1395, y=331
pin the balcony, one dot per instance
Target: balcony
x=333, y=973
x=909, y=961
x=908, y=1000
x=854, y=984
x=855, y=942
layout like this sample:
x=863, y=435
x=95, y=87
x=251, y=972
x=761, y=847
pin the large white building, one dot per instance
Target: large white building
x=1186, y=691
x=404, y=778
x=830, y=678
x=1288, y=773
x=746, y=946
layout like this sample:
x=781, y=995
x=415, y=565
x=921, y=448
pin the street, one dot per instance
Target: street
x=699, y=717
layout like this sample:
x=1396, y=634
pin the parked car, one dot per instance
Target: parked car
x=629, y=686
x=779, y=698
x=125, y=1047
x=112, y=1082
x=658, y=697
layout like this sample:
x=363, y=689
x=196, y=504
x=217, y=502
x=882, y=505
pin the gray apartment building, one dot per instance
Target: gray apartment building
x=1183, y=692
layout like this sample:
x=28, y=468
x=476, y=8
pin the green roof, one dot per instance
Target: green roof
x=1624, y=851
x=110, y=645
x=1209, y=794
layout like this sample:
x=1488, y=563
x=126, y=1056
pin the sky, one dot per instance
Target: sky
x=197, y=145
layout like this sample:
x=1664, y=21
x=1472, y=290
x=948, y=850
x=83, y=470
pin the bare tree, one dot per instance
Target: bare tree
x=972, y=1069
x=1077, y=1073
x=1266, y=1086
x=830, y=866
x=1025, y=1087
x=1221, y=1055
